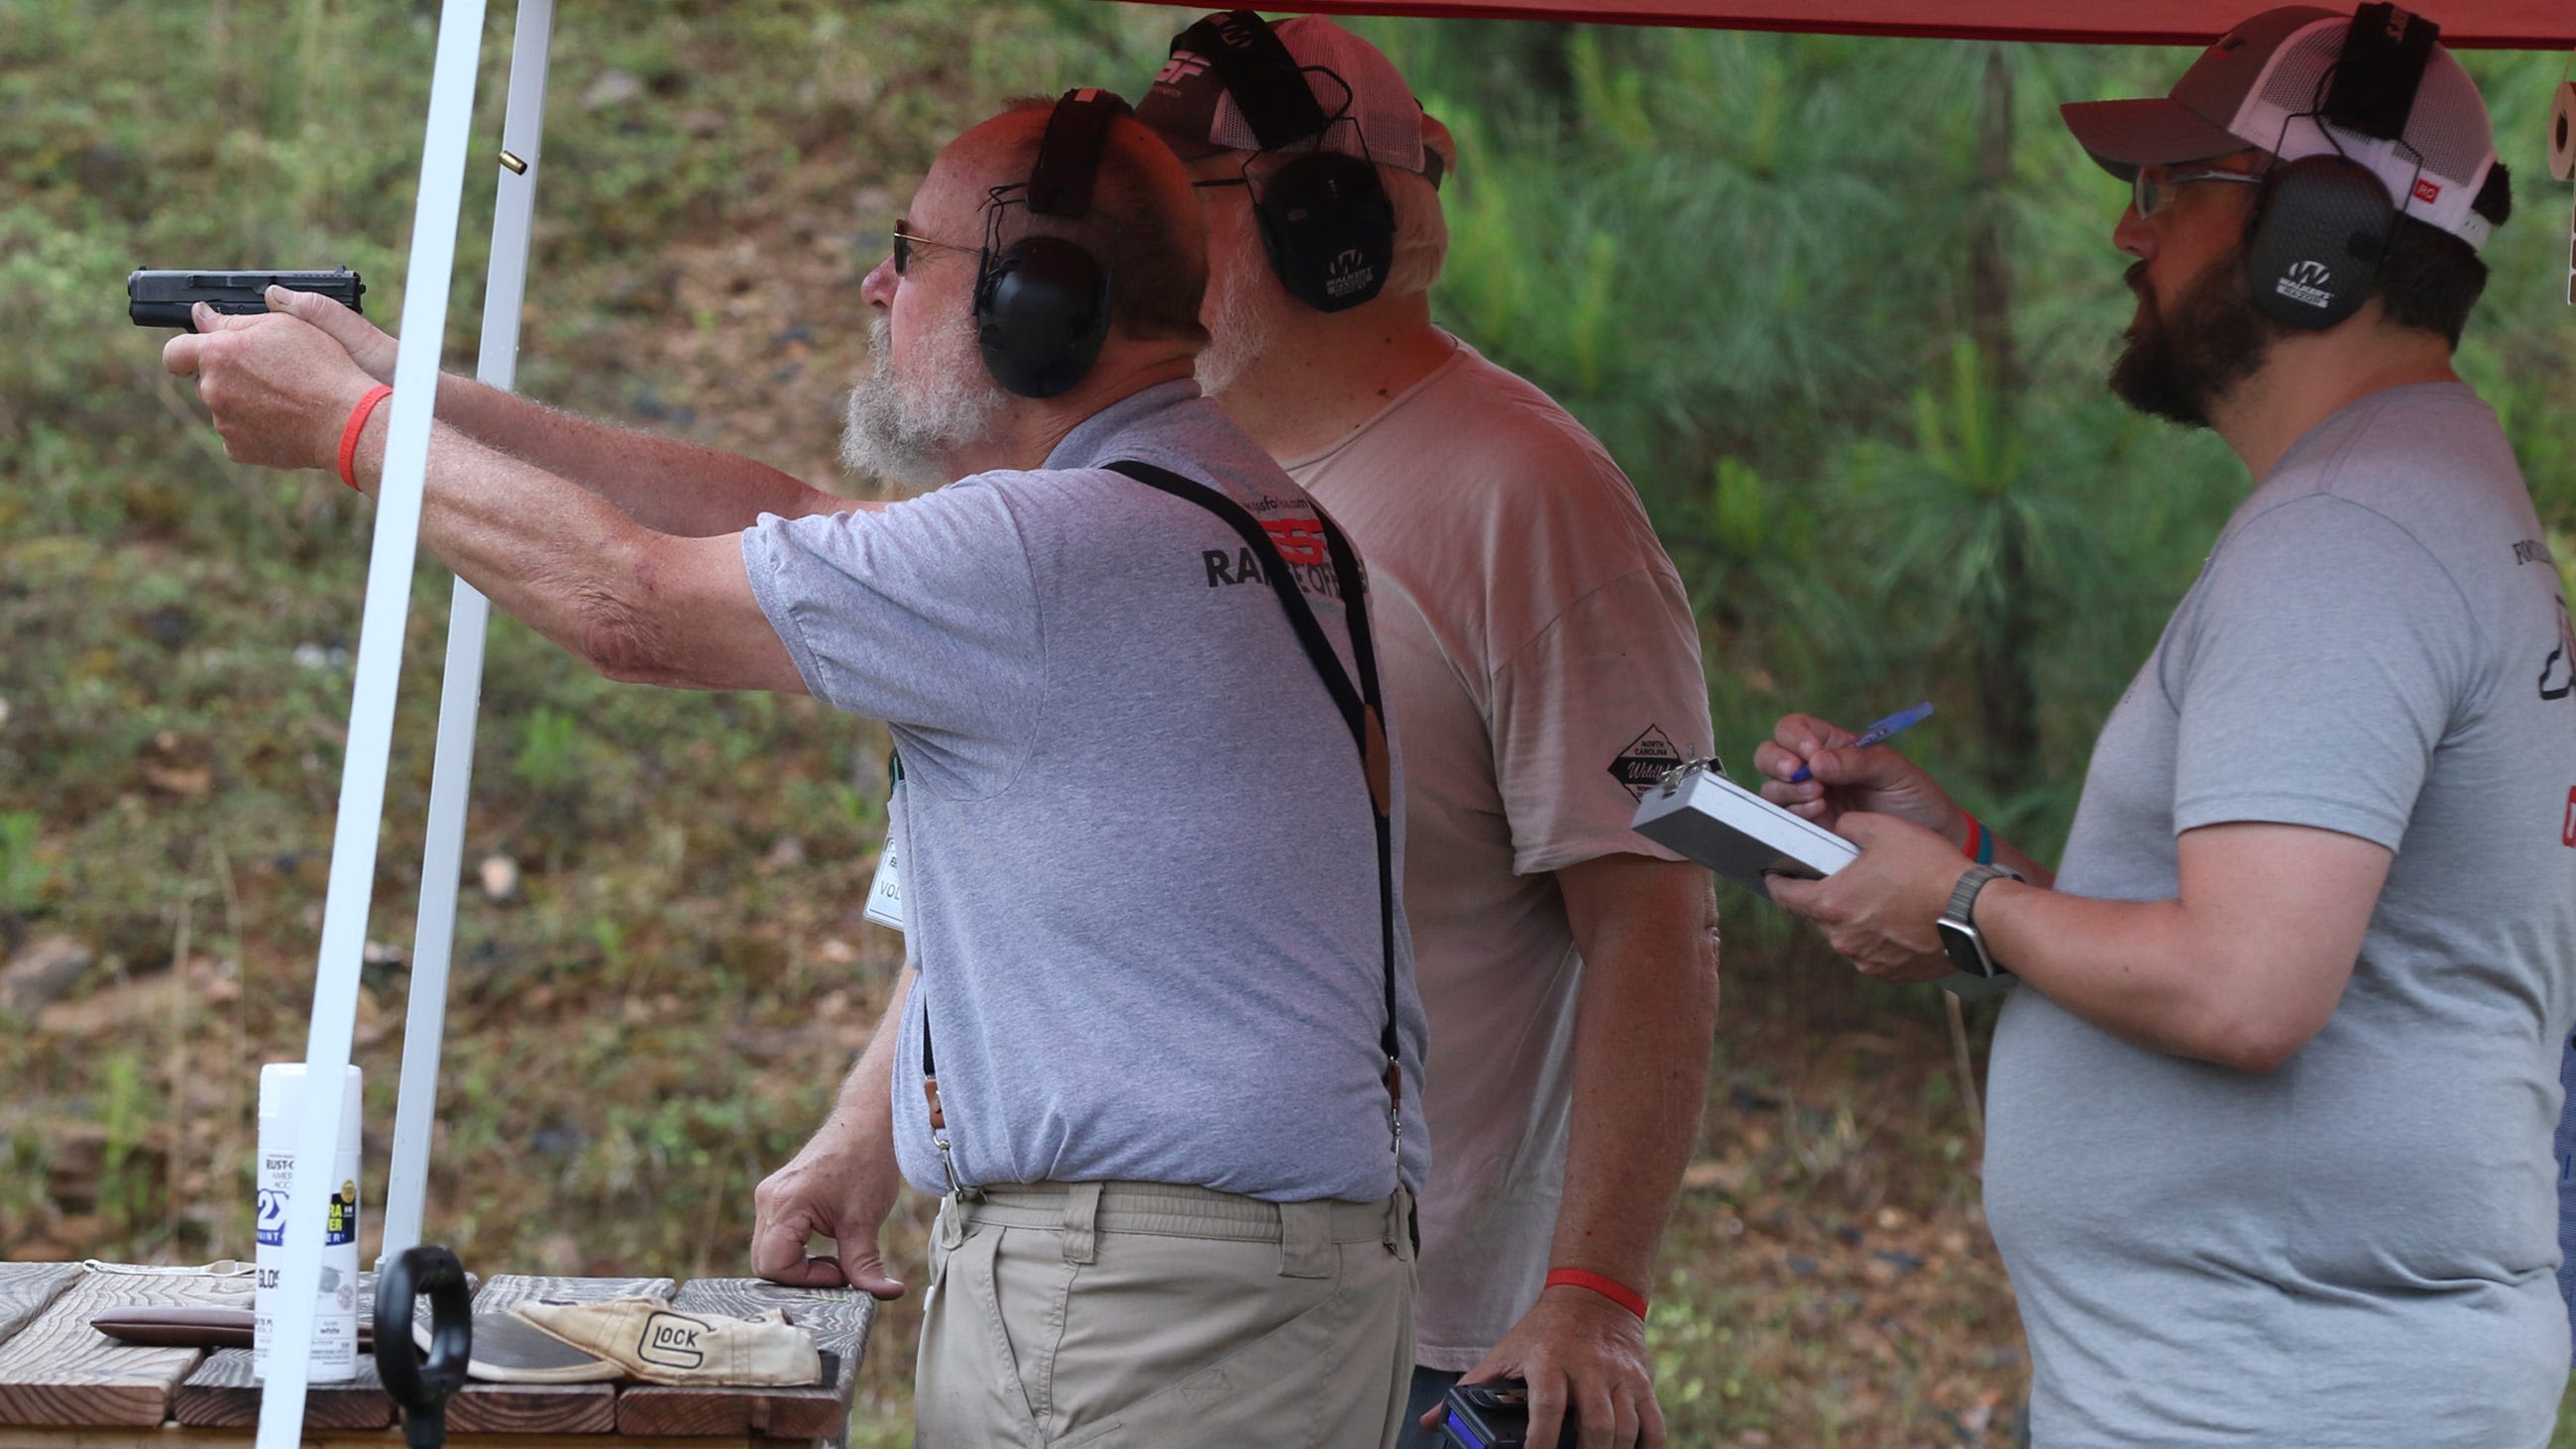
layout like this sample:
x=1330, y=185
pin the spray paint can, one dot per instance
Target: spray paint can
x=335, y=1306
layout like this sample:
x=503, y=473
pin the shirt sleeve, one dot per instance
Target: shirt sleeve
x=924, y=615
x=2321, y=667
x=1587, y=714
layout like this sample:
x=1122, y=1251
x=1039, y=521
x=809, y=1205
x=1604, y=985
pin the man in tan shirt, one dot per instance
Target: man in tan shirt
x=1542, y=665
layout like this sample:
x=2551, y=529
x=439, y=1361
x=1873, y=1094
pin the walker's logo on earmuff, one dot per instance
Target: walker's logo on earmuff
x=2305, y=283
x=1349, y=272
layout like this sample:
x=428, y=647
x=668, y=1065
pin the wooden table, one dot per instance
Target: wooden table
x=65, y=1385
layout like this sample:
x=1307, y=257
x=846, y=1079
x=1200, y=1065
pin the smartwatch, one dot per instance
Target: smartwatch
x=1958, y=924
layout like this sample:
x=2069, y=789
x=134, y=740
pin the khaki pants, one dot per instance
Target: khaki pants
x=1140, y=1316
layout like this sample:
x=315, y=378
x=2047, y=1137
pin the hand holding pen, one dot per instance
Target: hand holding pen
x=1881, y=782
x=1880, y=733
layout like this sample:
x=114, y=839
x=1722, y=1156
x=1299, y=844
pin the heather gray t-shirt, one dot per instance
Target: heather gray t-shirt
x=2354, y=1251
x=1139, y=873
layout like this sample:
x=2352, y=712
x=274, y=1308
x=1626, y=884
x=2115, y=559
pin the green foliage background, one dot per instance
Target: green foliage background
x=1841, y=308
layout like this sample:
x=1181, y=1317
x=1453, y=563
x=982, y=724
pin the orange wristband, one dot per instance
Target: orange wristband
x=1980, y=844
x=1610, y=1288
x=358, y=424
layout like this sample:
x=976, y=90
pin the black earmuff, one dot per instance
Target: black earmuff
x=2322, y=224
x=2320, y=230
x=1328, y=227
x=1042, y=303
x=1326, y=222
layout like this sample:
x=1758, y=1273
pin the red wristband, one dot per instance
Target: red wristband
x=1971, y=847
x=358, y=424
x=1610, y=1288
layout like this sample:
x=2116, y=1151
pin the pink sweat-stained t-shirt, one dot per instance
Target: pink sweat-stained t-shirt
x=1543, y=666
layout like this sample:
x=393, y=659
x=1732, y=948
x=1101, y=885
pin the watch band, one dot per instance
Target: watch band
x=1963, y=896
x=1958, y=924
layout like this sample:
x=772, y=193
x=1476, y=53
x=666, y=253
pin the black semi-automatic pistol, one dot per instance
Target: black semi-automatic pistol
x=163, y=299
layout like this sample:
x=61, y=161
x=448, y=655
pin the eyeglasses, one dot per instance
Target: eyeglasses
x=1240, y=163
x=905, y=241
x=2152, y=189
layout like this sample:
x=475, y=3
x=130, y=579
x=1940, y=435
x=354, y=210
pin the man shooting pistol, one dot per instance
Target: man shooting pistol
x=1178, y=1064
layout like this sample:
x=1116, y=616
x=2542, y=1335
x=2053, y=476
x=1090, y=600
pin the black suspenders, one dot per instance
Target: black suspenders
x=1363, y=710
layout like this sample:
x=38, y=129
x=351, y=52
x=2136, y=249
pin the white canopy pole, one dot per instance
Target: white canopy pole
x=460, y=696
x=371, y=709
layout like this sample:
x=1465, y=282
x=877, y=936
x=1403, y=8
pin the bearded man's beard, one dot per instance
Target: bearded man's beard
x=1239, y=330
x=2178, y=364
x=899, y=425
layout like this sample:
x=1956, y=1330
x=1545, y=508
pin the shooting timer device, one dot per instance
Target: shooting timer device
x=1699, y=812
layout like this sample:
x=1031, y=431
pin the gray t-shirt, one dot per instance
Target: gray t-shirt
x=2357, y=1248
x=1140, y=876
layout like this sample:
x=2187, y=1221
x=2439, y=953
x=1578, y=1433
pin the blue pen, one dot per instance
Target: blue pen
x=1881, y=732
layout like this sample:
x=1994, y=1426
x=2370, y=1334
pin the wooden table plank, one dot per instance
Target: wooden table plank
x=63, y=1385
x=59, y=1370
x=839, y=1319
x=544, y=1408
x=25, y=1289
x=224, y=1393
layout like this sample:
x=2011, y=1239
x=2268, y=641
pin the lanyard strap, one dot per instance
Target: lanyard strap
x=1363, y=709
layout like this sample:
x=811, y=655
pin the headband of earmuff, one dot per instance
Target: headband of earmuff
x=2322, y=224
x=1042, y=303
x=1326, y=222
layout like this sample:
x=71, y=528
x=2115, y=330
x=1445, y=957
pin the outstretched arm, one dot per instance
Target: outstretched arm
x=636, y=604
x=667, y=485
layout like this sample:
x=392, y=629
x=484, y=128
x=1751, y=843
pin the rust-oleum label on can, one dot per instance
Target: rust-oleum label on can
x=334, y=1358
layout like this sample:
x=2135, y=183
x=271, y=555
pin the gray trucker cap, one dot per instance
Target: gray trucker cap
x=2262, y=84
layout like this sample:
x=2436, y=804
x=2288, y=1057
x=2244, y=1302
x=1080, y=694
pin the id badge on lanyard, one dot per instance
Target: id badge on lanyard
x=885, y=892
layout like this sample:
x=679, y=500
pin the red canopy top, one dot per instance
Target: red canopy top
x=2491, y=24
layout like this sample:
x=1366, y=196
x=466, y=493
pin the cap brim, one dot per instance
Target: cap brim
x=2122, y=136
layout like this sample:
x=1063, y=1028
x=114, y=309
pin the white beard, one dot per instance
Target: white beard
x=1239, y=330
x=897, y=426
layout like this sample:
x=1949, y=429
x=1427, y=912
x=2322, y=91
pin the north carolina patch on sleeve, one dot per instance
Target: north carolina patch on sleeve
x=1644, y=761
